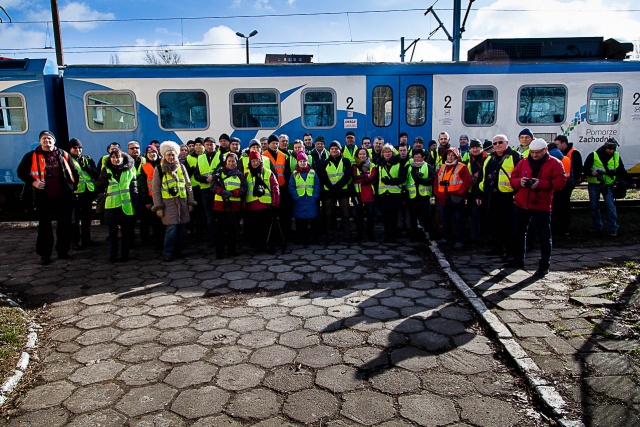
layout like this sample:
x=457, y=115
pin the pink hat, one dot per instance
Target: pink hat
x=454, y=151
x=151, y=148
x=301, y=156
x=255, y=155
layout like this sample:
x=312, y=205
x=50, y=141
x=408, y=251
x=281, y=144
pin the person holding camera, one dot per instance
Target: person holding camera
x=365, y=179
x=172, y=198
x=536, y=178
x=336, y=178
x=263, y=197
x=230, y=188
x=304, y=187
x=85, y=193
x=603, y=168
x=452, y=181
x=393, y=175
x=419, y=188
x=495, y=193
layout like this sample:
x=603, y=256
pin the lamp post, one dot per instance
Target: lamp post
x=246, y=39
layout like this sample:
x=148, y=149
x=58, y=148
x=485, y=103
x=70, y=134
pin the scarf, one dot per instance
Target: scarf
x=304, y=169
x=536, y=165
x=418, y=165
x=170, y=168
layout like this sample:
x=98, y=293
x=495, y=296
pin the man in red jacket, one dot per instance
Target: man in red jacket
x=535, y=179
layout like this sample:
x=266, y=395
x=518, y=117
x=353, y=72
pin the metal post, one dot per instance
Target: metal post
x=247, y=44
x=457, y=35
x=57, y=35
x=401, y=49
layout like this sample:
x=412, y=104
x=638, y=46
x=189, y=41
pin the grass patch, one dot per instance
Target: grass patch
x=13, y=336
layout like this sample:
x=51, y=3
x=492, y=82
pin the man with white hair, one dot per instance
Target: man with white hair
x=496, y=193
x=535, y=179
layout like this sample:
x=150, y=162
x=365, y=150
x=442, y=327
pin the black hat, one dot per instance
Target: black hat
x=419, y=139
x=432, y=142
x=254, y=142
x=612, y=142
x=320, y=138
x=403, y=134
x=487, y=144
x=224, y=136
x=234, y=139
x=475, y=142
x=350, y=133
x=75, y=142
x=48, y=133
x=335, y=144
x=273, y=137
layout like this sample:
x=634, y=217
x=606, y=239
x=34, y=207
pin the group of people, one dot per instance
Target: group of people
x=216, y=191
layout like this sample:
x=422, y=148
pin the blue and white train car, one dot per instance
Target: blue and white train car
x=587, y=101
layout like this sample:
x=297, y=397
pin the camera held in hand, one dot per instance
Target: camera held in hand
x=258, y=191
x=444, y=183
x=600, y=176
x=529, y=182
x=173, y=191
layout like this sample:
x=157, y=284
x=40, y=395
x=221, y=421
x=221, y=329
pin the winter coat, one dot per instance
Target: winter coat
x=236, y=206
x=551, y=178
x=114, y=215
x=367, y=183
x=441, y=196
x=390, y=201
x=342, y=188
x=175, y=210
x=305, y=207
x=257, y=205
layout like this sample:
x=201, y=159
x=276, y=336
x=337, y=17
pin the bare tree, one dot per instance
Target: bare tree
x=114, y=59
x=370, y=58
x=162, y=57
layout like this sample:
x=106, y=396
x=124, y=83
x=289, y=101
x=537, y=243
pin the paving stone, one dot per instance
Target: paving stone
x=258, y=339
x=413, y=359
x=619, y=345
x=139, y=401
x=166, y=311
x=104, y=418
x=288, y=379
x=161, y=419
x=494, y=384
x=143, y=373
x=609, y=364
x=47, y=396
x=247, y=324
x=538, y=315
x=343, y=338
x=171, y=322
x=191, y=374
x=447, y=384
x=272, y=356
x=385, y=338
x=103, y=370
x=307, y=311
x=339, y=378
x=299, y=338
x=96, y=352
x=322, y=324
x=59, y=369
x=54, y=417
x=197, y=403
x=309, y=406
x=318, y=356
x=232, y=355
x=488, y=412
x=93, y=397
x=530, y=330
x=427, y=409
x=137, y=336
x=465, y=363
x=275, y=422
x=284, y=324
x=473, y=343
x=239, y=377
x=97, y=321
x=367, y=407
x=616, y=387
x=381, y=313
x=593, y=301
x=96, y=336
x=395, y=381
x=142, y=352
x=611, y=415
x=254, y=404
x=65, y=334
x=511, y=304
x=221, y=420
x=183, y=353
x=218, y=337
x=430, y=341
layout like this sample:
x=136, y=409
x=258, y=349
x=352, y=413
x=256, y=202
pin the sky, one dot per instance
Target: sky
x=204, y=32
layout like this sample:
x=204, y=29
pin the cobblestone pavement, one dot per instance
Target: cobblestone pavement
x=567, y=327
x=331, y=336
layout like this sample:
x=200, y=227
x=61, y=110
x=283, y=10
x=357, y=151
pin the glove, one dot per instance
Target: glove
x=190, y=208
x=226, y=194
x=160, y=213
x=386, y=180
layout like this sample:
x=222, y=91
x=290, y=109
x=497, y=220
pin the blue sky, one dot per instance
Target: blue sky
x=139, y=25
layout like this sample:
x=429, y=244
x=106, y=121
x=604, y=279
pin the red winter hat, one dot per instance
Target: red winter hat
x=302, y=156
x=255, y=155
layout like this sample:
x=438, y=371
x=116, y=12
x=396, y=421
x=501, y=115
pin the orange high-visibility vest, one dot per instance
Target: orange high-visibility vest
x=148, y=169
x=455, y=182
x=38, y=165
x=279, y=163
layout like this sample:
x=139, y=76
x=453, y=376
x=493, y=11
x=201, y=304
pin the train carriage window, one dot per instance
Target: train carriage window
x=318, y=108
x=255, y=109
x=542, y=104
x=603, y=105
x=183, y=109
x=110, y=111
x=479, y=105
x=13, y=113
x=382, y=106
x=416, y=105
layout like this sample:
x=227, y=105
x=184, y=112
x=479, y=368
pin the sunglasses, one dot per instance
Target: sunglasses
x=498, y=143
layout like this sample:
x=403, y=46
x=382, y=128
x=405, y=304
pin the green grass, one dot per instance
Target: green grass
x=13, y=335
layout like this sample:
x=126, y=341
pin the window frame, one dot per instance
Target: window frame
x=406, y=107
x=206, y=98
x=605, y=85
x=551, y=85
x=495, y=101
x=334, y=98
x=278, y=103
x=373, y=106
x=24, y=108
x=134, y=104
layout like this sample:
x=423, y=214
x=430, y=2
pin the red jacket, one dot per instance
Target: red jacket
x=551, y=178
x=465, y=176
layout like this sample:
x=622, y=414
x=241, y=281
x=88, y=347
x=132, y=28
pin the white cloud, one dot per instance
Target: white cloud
x=75, y=11
x=291, y=2
x=15, y=37
x=262, y=5
x=235, y=4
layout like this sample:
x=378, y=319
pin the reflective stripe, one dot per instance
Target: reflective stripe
x=251, y=183
x=304, y=186
x=335, y=174
x=455, y=182
x=612, y=165
x=169, y=182
x=423, y=190
x=118, y=194
x=393, y=173
x=230, y=183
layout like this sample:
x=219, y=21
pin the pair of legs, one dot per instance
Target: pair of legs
x=81, y=219
x=117, y=220
x=595, y=190
x=47, y=210
x=329, y=204
x=542, y=221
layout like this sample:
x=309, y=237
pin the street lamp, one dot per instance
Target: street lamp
x=246, y=38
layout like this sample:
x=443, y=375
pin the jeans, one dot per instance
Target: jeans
x=207, y=204
x=453, y=216
x=610, y=208
x=172, y=239
x=542, y=221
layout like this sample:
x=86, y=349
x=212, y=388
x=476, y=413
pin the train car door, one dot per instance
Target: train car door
x=415, y=94
x=383, y=112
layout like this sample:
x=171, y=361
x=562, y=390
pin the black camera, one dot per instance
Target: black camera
x=217, y=175
x=529, y=182
x=258, y=191
x=444, y=183
x=173, y=191
x=600, y=176
x=492, y=177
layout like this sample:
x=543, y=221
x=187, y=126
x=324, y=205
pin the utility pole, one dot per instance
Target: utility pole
x=57, y=35
x=457, y=34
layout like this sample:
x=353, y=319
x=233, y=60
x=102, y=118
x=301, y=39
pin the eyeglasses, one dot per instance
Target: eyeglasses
x=134, y=148
x=536, y=152
x=498, y=142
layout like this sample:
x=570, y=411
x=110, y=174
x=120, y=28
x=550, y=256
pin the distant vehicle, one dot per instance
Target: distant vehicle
x=589, y=101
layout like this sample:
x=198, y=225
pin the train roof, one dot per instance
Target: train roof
x=21, y=68
x=328, y=69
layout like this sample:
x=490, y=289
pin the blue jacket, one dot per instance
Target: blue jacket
x=305, y=207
